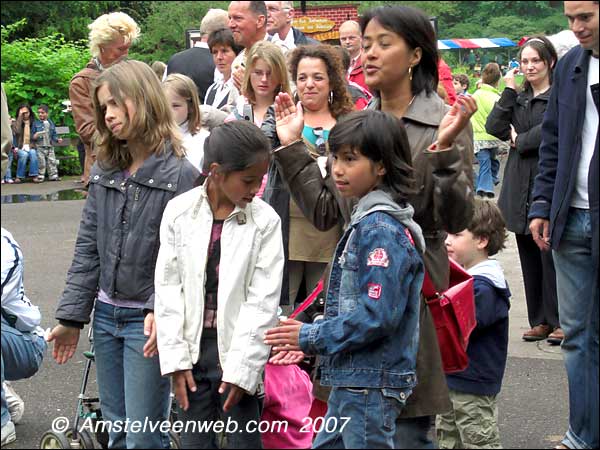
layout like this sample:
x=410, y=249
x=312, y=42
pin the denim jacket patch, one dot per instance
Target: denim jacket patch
x=369, y=336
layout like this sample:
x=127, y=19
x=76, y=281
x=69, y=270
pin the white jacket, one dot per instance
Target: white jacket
x=16, y=307
x=250, y=277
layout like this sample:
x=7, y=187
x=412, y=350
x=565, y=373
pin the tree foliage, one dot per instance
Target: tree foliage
x=38, y=70
x=41, y=53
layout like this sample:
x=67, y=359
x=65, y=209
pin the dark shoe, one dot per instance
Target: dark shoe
x=537, y=333
x=490, y=194
x=556, y=337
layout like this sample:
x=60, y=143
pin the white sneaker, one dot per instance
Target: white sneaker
x=8, y=433
x=16, y=405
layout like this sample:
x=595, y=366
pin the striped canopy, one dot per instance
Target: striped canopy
x=449, y=44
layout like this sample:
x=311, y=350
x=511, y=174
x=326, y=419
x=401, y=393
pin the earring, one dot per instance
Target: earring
x=410, y=73
x=331, y=97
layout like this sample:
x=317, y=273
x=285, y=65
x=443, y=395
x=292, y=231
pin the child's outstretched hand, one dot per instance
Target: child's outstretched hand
x=285, y=337
x=182, y=380
x=287, y=358
x=289, y=119
x=234, y=395
x=65, y=342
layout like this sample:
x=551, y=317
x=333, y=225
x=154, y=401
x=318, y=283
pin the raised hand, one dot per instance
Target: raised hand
x=455, y=120
x=289, y=119
x=509, y=78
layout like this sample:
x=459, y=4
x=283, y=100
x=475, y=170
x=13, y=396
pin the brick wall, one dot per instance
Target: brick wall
x=338, y=14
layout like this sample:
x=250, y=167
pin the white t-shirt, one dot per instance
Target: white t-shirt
x=588, y=140
x=287, y=44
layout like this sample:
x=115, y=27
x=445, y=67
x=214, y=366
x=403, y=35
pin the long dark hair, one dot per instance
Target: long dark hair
x=414, y=27
x=380, y=137
x=25, y=105
x=546, y=52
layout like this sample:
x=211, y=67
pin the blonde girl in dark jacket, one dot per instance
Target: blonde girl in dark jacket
x=140, y=167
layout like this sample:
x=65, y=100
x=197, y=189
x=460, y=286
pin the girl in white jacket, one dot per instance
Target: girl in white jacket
x=218, y=281
x=182, y=94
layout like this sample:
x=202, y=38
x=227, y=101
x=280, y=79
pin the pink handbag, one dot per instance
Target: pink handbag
x=288, y=397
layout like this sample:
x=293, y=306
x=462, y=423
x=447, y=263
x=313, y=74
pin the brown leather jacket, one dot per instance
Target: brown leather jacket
x=444, y=203
x=80, y=94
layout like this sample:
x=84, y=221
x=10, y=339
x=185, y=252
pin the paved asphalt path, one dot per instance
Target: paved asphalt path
x=533, y=404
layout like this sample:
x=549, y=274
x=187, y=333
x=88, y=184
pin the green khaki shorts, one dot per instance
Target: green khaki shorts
x=472, y=423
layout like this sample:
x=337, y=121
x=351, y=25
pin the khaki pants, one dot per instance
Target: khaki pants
x=472, y=423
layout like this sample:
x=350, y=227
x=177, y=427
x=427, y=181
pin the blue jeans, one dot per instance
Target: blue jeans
x=22, y=157
x=372, y=417
x=8, y=175
x=489, y=167
x=130, y=386
x=577, y=287
x=21, y=357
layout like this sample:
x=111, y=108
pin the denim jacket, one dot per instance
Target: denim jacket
x=370, y=333
x=38, y=126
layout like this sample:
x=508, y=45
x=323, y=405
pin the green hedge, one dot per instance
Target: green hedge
x=38, y=70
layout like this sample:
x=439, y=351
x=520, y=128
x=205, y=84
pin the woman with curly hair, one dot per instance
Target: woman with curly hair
x=321, y=88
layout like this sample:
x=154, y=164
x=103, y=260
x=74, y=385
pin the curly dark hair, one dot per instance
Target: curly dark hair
x=342, y=102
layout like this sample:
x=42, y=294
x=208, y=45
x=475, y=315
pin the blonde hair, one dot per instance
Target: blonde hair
x=152, y=123
x=159, y=68
x=186, y=88
x=273, y=56
x=213, y=20
x=108, y=28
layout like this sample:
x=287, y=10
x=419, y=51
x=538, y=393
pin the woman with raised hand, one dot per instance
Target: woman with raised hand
x=321, y=89
x=518, y=117
x=400, y=62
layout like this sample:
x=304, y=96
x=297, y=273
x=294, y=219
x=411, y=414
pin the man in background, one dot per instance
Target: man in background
x=564, y=215
x=197, y=62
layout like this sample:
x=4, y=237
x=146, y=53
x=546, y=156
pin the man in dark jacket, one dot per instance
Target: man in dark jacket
x=197, y=62
x=565, y=215
x=279, y=26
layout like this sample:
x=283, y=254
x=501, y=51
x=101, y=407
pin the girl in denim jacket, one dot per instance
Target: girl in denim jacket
x=369, y=337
